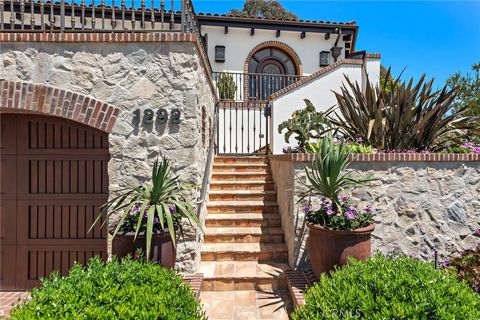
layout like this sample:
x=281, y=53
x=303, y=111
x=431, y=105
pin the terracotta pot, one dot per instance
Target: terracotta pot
x=162, y=249
x=328, y=248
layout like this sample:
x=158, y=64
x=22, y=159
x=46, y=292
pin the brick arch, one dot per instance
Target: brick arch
x=279, y=45
x=25, y=97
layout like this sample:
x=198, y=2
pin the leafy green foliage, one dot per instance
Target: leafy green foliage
x=327, y=174
x=306, y=124
x=269, y=9
x=389, y=288
x=226, y=86
x=154, y=202
x=468, y=97
x=411, y=117
x=355, y=147
x=124, y=289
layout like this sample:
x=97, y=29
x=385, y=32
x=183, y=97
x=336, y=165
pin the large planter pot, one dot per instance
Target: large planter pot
x=328, y=248
x=162, y=249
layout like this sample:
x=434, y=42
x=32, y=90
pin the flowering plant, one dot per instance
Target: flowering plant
x=328, y=177
x=151, y=207
x=346, y=217
x=468, y=147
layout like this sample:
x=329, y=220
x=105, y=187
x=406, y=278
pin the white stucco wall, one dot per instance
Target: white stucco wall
x=239, y=43
x=319, y=92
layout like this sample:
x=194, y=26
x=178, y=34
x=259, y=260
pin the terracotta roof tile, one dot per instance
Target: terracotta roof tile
x=237, y=17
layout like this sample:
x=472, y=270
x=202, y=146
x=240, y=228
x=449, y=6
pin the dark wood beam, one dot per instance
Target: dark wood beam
x=347, y=37
x=252, y=31
x=327, y=36
x=303, y=35
x=226, y=29
x=277, y=34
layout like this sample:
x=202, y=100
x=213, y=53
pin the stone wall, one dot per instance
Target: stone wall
x=133, y=76
x=416, y=201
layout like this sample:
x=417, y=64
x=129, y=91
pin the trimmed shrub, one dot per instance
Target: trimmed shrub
x=124, y=289
x=389, y=288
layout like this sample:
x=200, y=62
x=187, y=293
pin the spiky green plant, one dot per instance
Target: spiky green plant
x=306, y=124
x=412, y=116
x=327, y=174
x=226, y=86
x=160, y=200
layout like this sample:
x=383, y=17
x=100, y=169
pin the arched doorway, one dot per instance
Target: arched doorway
x=270, y=69
x=53, y=181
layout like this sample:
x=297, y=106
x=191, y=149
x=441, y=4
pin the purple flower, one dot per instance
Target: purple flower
x=155, y=220
x=476, y=150
x=171, y=207
x=445, y=262
x=351, y=214
x=307, y=209
x=359, y=139
x=343, y=199
x=413, y=255
x=368, y=209
x=135, y=210
x=477, y=232
x=467, y=145
x=330, y=212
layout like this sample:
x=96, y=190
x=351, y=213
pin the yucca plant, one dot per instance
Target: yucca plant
x=152, y=207
x=409, y=116
x=327, y=174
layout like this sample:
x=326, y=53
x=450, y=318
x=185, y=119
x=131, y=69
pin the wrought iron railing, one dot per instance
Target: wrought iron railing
x=97, y=16
x=250, y=86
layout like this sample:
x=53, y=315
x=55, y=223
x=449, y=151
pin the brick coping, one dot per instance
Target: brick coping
x=387, y=157
x=114, y=37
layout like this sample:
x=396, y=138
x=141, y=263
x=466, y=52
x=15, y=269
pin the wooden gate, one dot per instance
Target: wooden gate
x=53, y=180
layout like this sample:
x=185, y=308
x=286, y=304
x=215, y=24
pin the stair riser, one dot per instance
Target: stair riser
x=243, y=197
x=240, y=160
x=244, y=284
x=244, y=186
x=242, y=223
x=238, y=177
x=242, y=209
x=244, y=238
x=233, y=168
x=277, y=256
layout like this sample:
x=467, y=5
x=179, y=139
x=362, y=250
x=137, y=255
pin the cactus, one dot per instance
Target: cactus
x=226, y=86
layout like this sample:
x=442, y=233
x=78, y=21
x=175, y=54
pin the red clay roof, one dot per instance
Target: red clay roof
x=236, y=17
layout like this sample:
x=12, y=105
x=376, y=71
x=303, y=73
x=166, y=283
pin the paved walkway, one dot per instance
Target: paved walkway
x=9, y=298
x=246, y=305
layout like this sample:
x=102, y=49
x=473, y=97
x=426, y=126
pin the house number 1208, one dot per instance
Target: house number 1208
x=161, y=116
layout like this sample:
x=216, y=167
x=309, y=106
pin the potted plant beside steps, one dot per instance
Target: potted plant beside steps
x=149, y=216
x=337, y=228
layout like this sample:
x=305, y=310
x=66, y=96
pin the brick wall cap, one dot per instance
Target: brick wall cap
x=387, y=157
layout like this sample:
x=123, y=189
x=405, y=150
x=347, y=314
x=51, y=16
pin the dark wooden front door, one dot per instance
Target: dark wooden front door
x=53, y=180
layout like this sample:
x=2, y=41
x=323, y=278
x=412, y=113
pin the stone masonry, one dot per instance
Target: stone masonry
x=417, y=202
x=133, y=76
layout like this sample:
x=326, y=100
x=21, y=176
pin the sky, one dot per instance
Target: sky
x=433, y=37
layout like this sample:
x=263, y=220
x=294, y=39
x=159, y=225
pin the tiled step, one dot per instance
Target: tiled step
x=244, y=234
x=243, y=275
x=242, y=207
x=241, y=185
x=244, y=252
x=241, y=167
x=243, y=220
x=241, y=195
x=241, y=176
x=240, y=160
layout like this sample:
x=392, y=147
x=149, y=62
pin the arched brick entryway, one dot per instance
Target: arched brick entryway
x=54, y=177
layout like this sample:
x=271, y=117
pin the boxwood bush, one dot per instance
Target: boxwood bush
x=389, y=288
x=124, y=289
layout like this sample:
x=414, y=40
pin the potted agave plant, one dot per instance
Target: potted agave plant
x=149, y=216
x=337, y=228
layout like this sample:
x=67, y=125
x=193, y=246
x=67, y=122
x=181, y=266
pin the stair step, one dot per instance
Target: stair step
x=244, y=252
x=229, y=195
x=243, y=220
x=241, y=167
x=240, y=160
x=243, y=275
x=244, y=234
x=241, y=176
x=242, y=185
x=242, y=206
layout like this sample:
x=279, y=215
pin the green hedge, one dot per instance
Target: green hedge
x=124, y=289
x=389, y=288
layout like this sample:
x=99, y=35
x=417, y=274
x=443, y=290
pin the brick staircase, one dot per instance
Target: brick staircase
x=244, y=246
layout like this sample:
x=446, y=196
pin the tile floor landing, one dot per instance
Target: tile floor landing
x=247, y=305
